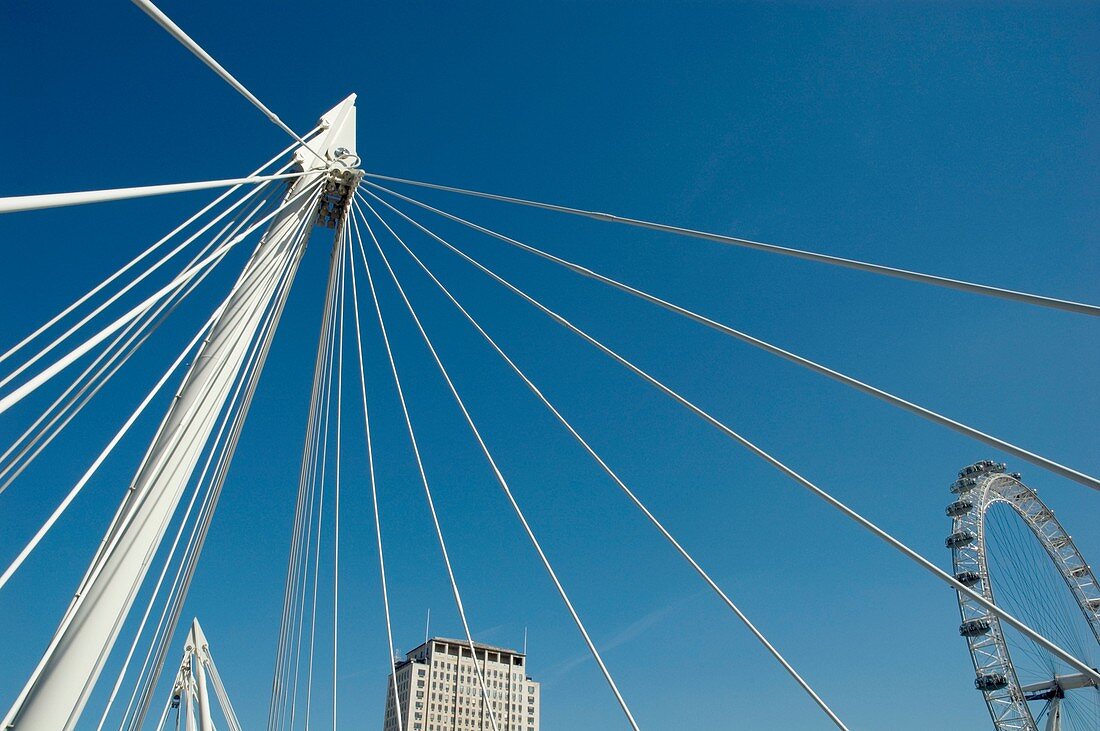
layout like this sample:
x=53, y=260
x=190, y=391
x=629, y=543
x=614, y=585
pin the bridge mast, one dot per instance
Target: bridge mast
x=56, y=693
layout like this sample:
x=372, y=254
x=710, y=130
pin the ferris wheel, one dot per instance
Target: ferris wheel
x=1007, y=544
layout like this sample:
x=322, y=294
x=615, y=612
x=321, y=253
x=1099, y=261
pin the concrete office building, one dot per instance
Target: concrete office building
x=438, y=689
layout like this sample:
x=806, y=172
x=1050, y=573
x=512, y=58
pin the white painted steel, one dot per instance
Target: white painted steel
x=1054, y=715
x=1082, y=308
x=191, y=45
x=57, y=691
x=191, y=689
x=198, y=648
x=299, y=198
x=619, y=482
x=914, y=408
x=512, y=500
x=758, y=451
x=1065, y=682
x=18, y=203
x=459, y=605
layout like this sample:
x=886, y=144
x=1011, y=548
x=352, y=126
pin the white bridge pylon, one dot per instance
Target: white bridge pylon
x=57, y=691
x=191, y=689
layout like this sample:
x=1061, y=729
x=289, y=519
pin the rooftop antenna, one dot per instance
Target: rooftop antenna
x=525, y=639
x=427, y=624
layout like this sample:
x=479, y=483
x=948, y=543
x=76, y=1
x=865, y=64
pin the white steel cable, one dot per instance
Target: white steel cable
x=83, y=321
x=299, y=560
x=223, y=697
x=374, y=488
x=46, y=374
x=109, y=361
x=60, y=509
x=773, y=461
x=251, y=375
x=342, y=244
x=10, y=472
x=933, y=416
x=109, y=352
x=972, y=287
x=176, y=583
x=622, y=485
x=311, y=547
x=303, y=524
x=335, y=272
x=92, y=574
x=176, y=32
x=308, y=485
x=511, y=499
x=18, y=203
x=140, y=257
x=120, y=523
x=424, y=477
x=299, y=549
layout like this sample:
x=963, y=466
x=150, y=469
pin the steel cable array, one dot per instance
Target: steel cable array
x=295, y=651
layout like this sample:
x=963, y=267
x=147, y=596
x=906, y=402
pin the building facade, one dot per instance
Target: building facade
x=438, y=689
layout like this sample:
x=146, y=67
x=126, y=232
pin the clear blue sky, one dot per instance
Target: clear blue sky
x=961, y=140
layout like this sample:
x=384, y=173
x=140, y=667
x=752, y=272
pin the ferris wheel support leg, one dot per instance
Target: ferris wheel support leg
x=56, y=693
x=1054, y=715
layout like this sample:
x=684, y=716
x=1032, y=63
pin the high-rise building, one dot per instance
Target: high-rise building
x=438, y=689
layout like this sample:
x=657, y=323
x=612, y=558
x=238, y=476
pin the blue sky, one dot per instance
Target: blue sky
x=958, y=140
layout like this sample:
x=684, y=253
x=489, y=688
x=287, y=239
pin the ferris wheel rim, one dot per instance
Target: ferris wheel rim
x=981, y=486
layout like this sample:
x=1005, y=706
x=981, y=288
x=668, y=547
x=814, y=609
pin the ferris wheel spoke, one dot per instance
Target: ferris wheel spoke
x=305, y=544
x=1046, y=589
x=1014, y=591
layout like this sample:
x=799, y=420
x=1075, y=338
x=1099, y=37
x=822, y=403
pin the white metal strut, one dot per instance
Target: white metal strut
x=57, y=691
